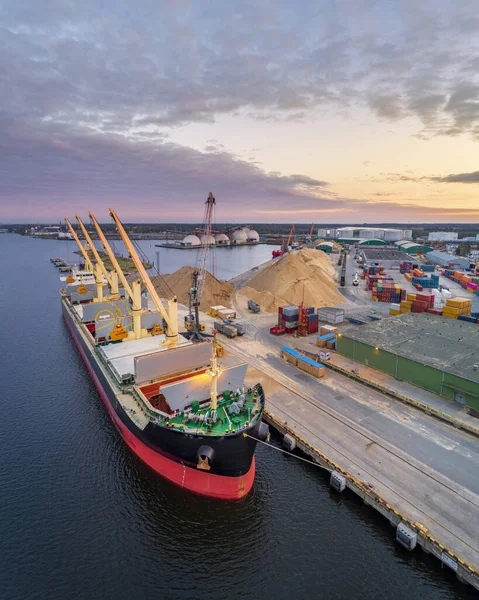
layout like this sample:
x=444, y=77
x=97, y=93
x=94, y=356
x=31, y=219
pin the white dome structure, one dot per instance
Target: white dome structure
x=252, y=235
x=211, y=240
x=239, y=236
x=191, y=240
x=222, y=239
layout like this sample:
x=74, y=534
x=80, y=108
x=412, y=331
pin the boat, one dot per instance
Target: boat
x=190, y=419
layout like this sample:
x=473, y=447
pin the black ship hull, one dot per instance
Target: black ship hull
x=175, y=454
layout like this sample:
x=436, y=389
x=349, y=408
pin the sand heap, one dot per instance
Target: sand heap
x=214, y=291
x=302, y=276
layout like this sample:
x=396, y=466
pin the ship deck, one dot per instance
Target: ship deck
x=226, y=422
x=121, y=356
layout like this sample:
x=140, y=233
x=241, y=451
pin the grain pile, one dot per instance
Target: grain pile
x=302, y=276
x=214, y=291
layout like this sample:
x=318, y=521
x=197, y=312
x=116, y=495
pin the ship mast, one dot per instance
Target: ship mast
x=134, y=292
x=170, y=315
x=110, y=276
x=214, y=372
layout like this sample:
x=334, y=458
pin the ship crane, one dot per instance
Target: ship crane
x=133, y=291
x=110, y=276
x=170, y=315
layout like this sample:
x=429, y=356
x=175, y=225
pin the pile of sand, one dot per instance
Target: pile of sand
x=214, y=291
x=305, y=275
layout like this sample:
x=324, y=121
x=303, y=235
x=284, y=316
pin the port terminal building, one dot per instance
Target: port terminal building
x=437, y=354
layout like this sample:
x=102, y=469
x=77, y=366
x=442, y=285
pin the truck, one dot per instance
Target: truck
x=240, y=328
x=253, y=306
x=227, y=330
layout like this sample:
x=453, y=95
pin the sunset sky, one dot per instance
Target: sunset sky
x=316, y=111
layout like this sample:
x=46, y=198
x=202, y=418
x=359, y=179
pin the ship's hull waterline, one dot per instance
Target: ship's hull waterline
x=173, y=454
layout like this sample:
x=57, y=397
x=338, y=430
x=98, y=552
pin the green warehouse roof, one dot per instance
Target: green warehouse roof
x=446, y=344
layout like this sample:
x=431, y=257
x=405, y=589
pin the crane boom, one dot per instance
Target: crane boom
x=169, y=316
x=88, y=262
x=99, y=261
x=134, y=292
x=203, y=258
x=290, y=235
x=311, y=230
x=112, y=258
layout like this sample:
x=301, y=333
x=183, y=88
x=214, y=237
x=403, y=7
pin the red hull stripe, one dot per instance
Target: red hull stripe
x=195, y=480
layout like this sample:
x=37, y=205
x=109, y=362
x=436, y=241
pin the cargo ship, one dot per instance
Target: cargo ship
x=192, y=421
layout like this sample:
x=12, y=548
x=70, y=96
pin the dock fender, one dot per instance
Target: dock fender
x=263, y=432
x=205, y=456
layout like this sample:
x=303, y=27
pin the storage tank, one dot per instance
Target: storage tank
x=210, y=240
x=239, y=237
x=191, y=240
x=393, y=235
x=222, y=239
x=252, y=235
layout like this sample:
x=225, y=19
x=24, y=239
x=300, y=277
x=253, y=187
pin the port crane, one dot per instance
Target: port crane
x=192, y=320
x=309, y=238
x=284, y=247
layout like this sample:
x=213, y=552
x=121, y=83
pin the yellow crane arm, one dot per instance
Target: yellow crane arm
x=114, y=262
x=172, y=327
x=80, y=245
x=99, y=261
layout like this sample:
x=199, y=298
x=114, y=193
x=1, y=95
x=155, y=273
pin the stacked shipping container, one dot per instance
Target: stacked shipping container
x=288, y=319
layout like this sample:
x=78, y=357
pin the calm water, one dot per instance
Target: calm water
x=82, y=518
x=224, y=262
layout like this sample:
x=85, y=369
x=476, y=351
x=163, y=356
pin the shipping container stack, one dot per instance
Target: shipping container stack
x=420, y=282
x=327, y=340
x=469, y=282
x=458, y=308
x=289, y=319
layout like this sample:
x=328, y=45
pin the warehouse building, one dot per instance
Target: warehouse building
x=443, y=236
x=327, y=247
x=445, y=260
x=436, y=354
x=378, y=233
x=412, y=248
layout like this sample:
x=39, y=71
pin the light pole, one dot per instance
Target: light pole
x=158, y=261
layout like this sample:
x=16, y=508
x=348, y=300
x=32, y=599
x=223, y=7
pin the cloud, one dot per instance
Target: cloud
x=386, y=106
x=111, y=68
x=459, y=178
x=46, y=174
x=401, y=178
x=92, y=90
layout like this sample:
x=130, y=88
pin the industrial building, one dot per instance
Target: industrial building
x=325, y=247
x=447, y=260
x=413, y=248
x=443, y=236
x=375, y=233
x=439, y=355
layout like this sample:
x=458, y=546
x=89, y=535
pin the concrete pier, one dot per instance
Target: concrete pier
x=396, y=479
